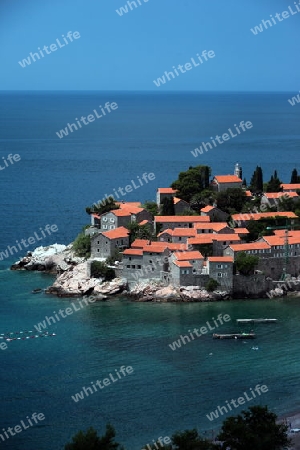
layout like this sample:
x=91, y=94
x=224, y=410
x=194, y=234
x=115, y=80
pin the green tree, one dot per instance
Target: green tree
x=167, y=206
x=256, y=183
x=116, y=256
x=211, y=285
x=82, y=245
x=190, y=440
x=245, y=264
x=106, y=205
x=254, y=429
x=99, y=269
x=192, y=181
x=274, y=185
x=137, y=231
x=232, y=200
x=203, y=198
x=151, y=207
x=91, y=441
x=295, y=178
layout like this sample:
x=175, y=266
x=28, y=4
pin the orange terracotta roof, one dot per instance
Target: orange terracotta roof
x=195, y=219
x=186, y=256
x=249, y=246
x=129, y=205
x=257, y=216
x=179, y=246
x=167, y=231
x=290, y=186
x=220, y=259
x=154, y=248
x=140, y=243
x=177, y=200
x=240, y=230
x=215, y=226
x=228, y=179
x=207, y=208
x=271, y=195
x=133, y=251
x=182, y=264
x=178, y=232
x=248, y=193
x=167, y=191
x=201, y=239
x=120, y=232
x=282, y=232
x=126, y=211
x=226, y=237
x=144, y=222
x=280, y=240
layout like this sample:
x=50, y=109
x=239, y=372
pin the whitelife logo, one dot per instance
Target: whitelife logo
x=53, y=47
x=203, y=330
x=237, y=402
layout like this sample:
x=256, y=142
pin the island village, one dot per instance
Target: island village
x=173, y=249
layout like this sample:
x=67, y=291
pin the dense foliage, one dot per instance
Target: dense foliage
x=246, y=264
x=151, y=207
x=295, y=178
x=256, y=183
x=82, y=245
x=103, y=206
x=256, y=429
x=232, y=200
x=167, y=206
x=274, y=185
x=211, y=285
x=91, y=441
x=253, y=429
x=100, y=270
x=191, y=182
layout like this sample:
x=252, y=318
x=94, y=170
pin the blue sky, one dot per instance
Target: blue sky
x=128, y=52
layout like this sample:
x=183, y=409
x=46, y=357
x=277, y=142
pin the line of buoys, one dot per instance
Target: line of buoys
x=12, y=335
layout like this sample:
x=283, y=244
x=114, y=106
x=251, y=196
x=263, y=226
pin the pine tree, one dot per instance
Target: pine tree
x=256, y=183
x=295, y=178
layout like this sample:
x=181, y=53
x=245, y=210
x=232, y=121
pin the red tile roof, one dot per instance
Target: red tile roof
x=227, y=179
x=169, y=219
x=280, y=194
x=167, y=191
x=249, y=246
x=215, y=226
x=129, y=205
x=120, y=232
x=133, y=251
x=257, y=216
x=280, y=240
x=226, y=237
x=182, y=264
x=178, y=232
x=220, y=259
x=186, y=256
x=207, y=208
x=286, y=187
x=177, y=200
x=154, y=248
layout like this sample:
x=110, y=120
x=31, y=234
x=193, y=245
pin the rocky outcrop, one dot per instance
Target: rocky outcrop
x=52, y=259
x=113, y=287
x=149, y=290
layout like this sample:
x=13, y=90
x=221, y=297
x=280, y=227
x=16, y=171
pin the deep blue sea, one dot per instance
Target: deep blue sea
x=52, y=184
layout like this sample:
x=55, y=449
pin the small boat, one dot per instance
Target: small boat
x=256, y=321
x=36, y=291
x=235, y=336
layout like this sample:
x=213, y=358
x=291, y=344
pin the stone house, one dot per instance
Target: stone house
x=180, y=205
x=186, y=268
x=222, y=182
x=290, y=187
x=215, y=214
x=104, y=244
x=271, y=199
x=220, y=268
x=162, y=193
x=123, y=217
x=171, y=222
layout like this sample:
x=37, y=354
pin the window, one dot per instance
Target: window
x=104, y=227
x=112, y=227
x=128, y=267
x=219, y=275
x=98, y=242
x=139, y=266
x=98, y=250
x=219, y=266
x=104, y=219
x=150, y=260
x=112, y=220
x=129, y=258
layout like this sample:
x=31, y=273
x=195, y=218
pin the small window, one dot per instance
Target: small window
x=133, y=266
x=219, y=275
x=98, y=250
x=150, y=260
x=128, y=267
x=139, y=266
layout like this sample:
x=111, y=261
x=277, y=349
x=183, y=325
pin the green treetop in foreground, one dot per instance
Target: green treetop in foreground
x=192, y=181
x=254, y=429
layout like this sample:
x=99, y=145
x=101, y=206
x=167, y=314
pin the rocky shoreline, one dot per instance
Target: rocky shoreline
x=72, y=280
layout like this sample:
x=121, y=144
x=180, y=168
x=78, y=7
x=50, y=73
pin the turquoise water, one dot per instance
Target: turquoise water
x=52, y=184
x=168, y=390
